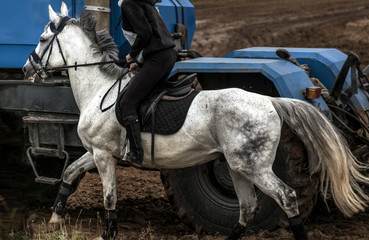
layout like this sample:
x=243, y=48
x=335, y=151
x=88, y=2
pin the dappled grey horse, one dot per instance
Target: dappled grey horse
x=244, y=126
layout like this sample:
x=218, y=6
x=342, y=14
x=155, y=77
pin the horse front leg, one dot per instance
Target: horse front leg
x=81, y=165
x=106, y=165
x=248, y=204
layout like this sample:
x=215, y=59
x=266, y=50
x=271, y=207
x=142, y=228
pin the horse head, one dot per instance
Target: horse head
x=74, y=41
x=43, y=57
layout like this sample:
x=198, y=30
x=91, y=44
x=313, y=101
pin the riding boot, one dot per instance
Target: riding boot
x=132, y=126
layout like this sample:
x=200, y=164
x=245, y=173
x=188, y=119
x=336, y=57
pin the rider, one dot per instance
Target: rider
x=153, y=48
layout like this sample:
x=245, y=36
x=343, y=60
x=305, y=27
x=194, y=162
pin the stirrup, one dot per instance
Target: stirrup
x=133, y=163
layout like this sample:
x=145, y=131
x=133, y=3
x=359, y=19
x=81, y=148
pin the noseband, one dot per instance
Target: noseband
x=37, y=59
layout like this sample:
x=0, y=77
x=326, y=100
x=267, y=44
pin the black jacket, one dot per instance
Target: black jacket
x=142, y=18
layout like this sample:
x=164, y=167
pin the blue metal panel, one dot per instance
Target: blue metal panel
x=288, y=79
x=22, y=25
x=325, y=64
x=172, y=16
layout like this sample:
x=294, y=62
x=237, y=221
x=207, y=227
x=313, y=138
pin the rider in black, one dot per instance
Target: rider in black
x=153, y=47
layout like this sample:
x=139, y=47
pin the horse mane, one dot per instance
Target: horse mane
x=102, y=43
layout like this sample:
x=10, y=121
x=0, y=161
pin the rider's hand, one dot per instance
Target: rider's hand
x=133, y=66
x=129, y=58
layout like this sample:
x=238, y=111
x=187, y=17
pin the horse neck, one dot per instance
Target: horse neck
x=86, y=82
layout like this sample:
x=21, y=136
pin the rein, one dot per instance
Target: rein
x=119, y=79
x=118, y=62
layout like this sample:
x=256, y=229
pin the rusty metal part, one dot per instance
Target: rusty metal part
x=364, y=126
x=101, y=10
x=352, y=62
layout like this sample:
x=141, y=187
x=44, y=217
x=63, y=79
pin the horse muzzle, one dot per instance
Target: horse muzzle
x=30, y=69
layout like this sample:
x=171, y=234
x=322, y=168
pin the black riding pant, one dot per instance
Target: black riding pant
x=154, y=72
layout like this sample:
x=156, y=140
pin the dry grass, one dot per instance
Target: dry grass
x=11, y=227
x=35, y=228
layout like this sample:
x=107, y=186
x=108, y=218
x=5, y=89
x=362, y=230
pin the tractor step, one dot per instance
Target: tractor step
x=47, y=180
x=42, y=179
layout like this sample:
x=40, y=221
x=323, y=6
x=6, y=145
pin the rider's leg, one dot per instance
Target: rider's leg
x=132, y=125
x=155, y=70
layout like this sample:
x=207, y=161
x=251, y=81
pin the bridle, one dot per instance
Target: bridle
x=44, y=71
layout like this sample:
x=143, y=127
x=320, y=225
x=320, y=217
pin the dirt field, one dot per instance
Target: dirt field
x=222, y=26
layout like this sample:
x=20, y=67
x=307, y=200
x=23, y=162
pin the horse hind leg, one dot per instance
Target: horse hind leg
x=252, y=157
x=248, y=203
x=257, y=168
x=285, y=196
x=78, y=167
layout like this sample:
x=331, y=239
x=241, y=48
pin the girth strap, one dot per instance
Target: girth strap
x=152, y=110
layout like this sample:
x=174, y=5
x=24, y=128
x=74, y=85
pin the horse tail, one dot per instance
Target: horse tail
x=329, y=154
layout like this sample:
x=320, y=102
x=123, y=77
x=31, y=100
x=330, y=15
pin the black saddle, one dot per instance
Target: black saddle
x=172, y=91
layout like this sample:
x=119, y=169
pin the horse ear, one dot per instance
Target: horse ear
x=64, y=9
x=52, y=15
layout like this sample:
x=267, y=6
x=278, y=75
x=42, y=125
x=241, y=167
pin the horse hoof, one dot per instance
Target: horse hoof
x=237, y=232
x=55, y=219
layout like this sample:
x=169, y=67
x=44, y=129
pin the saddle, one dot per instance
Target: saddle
x=164, y=110
x=169, y=97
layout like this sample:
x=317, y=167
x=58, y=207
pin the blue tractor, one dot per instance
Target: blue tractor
x=43, y=116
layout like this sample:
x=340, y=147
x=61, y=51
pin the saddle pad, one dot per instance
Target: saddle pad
x=169, y=116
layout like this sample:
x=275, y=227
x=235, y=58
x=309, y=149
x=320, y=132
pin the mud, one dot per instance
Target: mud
x=222, y=26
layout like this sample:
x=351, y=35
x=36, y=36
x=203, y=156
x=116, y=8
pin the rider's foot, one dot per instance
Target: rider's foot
x=134, y=160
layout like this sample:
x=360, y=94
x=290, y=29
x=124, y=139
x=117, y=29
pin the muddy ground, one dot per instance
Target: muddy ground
x=222, y=26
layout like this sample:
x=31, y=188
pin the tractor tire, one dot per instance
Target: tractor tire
x=205, y=199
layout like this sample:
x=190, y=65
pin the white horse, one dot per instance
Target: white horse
x=244, y=126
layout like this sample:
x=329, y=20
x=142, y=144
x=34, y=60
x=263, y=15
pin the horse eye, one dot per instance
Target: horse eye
x=42, y=39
